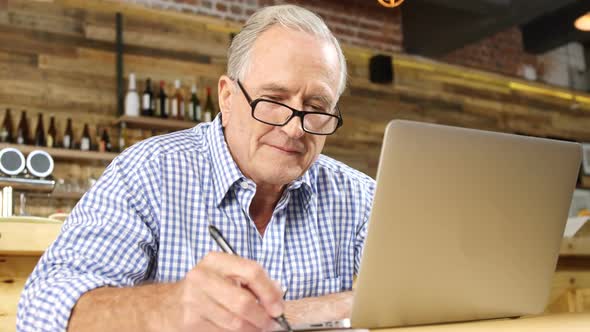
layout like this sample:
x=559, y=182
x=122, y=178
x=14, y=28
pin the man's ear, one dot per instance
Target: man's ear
x=225, y=90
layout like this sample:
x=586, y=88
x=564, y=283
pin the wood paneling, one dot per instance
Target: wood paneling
x=58, y=57
x=14, y=271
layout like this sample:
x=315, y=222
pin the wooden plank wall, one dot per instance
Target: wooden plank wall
x=57, y=57
x=14, y=271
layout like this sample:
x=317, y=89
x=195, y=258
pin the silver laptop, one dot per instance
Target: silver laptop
x=466, y=225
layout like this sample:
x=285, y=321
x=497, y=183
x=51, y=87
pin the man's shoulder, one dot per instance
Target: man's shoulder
x=341, y=173
x=159, y=147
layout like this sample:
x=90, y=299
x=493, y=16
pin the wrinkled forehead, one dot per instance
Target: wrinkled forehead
x=285, y=55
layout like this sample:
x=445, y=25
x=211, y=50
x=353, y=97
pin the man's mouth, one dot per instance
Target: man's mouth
x=287, y=149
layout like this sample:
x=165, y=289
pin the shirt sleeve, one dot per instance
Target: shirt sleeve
x=361, y=232
x=110, y=239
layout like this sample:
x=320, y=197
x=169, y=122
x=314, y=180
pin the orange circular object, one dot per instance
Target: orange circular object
x=583, y=22
x=390, y=3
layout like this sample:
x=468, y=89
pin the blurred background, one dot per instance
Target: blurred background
x=84, y=79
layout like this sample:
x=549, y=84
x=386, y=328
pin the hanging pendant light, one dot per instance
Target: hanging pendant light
x=583, y=22
x=390, y=3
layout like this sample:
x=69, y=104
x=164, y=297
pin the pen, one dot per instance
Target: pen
x=224, y=245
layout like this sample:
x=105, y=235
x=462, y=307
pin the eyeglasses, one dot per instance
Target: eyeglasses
x=317, y=120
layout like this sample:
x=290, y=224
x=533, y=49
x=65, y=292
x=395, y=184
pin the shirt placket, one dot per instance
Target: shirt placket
x=251, y=244
x=271, y=257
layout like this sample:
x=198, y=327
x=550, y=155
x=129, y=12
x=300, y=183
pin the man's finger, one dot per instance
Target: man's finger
x=225, y=320
x=238, y=302
x=212, y=326
x=251, y=275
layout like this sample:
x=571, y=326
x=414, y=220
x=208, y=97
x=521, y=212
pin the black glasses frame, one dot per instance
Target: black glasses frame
x=296, y=112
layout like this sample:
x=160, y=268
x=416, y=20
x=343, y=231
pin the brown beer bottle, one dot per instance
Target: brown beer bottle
x=6, y=130
x=40, y=132
x=22, y=131
x=68, y=142
x=51, y=134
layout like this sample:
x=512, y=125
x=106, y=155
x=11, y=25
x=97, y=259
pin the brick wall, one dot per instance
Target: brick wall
x=353, y=22
x=366, y=24
x=501, y=53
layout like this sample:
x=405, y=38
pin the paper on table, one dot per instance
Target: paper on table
x=573, y=225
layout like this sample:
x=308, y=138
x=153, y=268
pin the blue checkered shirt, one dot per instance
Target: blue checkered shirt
x=146, y=220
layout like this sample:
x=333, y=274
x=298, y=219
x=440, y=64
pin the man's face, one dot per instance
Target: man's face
x=290, y=67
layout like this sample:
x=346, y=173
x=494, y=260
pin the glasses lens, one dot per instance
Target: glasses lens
x=272, y=113
x=275, y=114
x=320, y=123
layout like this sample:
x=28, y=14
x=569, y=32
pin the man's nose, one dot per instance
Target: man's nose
x=293, y=128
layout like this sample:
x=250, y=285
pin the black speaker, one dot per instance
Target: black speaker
x=40, y=163
x=12, y=161
x=381, y=69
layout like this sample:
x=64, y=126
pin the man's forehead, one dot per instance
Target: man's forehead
x=284, y=59
x=285, y=43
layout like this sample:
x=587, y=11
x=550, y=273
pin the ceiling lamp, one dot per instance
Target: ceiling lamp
x=390, y=3
x=583, y=22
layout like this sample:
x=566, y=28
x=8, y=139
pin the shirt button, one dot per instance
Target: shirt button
x=244, y=185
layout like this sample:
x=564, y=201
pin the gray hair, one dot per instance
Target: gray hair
x=289, y=16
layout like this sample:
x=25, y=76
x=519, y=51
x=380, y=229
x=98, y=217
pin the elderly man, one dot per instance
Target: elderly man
x=135, y=254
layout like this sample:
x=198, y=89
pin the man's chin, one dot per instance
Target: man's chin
x=278, y=175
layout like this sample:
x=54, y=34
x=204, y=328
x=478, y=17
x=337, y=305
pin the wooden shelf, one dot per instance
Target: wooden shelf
x=22, y=236
x=58, y=195
x=65, y=154
x=144, y=122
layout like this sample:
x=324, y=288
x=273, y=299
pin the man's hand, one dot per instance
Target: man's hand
x=222, y=293
x=226, y=293
x=319, y=309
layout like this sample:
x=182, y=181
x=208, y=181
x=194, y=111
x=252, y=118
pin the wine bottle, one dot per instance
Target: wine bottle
x=105, y=142
x=39, y=132
x=180, y=98
x=188, y=113
x=85, y=141
x=6, y=130
x=195, y=104
x=132, y=98
x=147, y=99
x=22, y=131
x=156, y=105
x=51, y=133
x=177, y=103
x=122, y=137
x=100, y=144
x=209, y=110
x=97, y=138
x=163, y=101
x=68, y=136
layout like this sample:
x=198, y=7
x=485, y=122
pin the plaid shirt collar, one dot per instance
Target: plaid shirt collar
x=226, y=172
